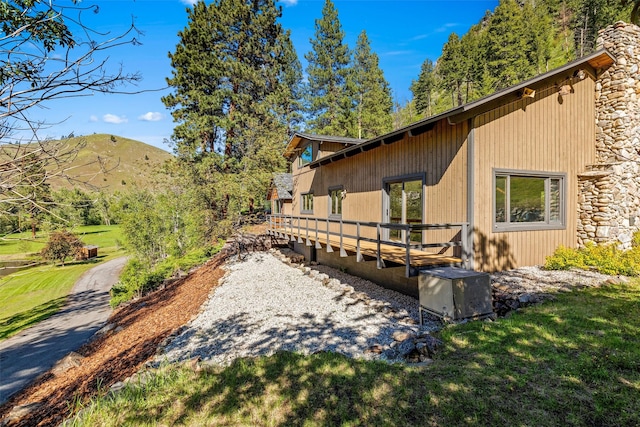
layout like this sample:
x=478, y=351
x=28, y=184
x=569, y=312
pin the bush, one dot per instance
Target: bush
x=606, y=259
x=137, y=279
x=61, y=245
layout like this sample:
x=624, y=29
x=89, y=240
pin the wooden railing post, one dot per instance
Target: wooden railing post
x=464, y=236
x=293, y=237
x=318, y=245
x=343, y=253
x=306, y=225
x=358, y=254
x=408, y=250
x=329, y=248
x=380, y=263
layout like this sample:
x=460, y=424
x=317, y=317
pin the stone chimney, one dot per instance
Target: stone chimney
x=609, y=198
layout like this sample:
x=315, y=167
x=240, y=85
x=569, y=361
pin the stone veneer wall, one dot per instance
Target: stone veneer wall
x=609, y=198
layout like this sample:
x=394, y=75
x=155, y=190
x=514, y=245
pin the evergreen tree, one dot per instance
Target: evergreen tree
x=329, y=92
x=235, y=77
x=424, y=87
x=507, y=51
x=373, y=95
x=452, y=69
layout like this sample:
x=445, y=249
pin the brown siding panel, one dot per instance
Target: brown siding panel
x=548, y=133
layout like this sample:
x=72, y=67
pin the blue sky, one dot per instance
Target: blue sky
x=402, y=33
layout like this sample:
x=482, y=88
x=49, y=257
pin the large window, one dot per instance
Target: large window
x=307, y=203
x=306, y=156
x=335, y=201
x=528, y=201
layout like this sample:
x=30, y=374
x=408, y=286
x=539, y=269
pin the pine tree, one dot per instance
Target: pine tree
x=424, y=87
x=373, y=95
x=507, y=50
x=234, y=78
x=452, y=69
x=329, y=92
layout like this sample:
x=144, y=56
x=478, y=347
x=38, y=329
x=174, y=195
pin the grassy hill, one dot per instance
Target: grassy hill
x=128, y=163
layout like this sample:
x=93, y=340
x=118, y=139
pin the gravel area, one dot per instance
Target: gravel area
x=264, y=305
x=535, y=280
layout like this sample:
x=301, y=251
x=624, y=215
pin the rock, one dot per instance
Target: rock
x=20, y=411
x=106, y=328
x=428, y=345
x=322, y=277
x=524, y=299
x=406, y=348
x=375, y=349
x=71, y=360
x=117, y=387
x=400, y=336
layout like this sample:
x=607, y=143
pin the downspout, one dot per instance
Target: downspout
x=471, y=159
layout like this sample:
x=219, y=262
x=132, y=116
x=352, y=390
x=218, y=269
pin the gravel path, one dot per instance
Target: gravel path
x=264, y=305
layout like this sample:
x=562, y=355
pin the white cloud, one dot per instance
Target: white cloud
x=189, y=2
x=289, y=2
x=151, y=117
x=116, y=120
x=93, y=118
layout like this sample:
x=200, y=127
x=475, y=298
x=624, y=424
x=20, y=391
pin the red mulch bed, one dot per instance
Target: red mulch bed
x=115, y=356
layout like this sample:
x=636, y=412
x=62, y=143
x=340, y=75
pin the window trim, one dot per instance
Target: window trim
x=302, y=204
x=530, y=226
x=330, y=203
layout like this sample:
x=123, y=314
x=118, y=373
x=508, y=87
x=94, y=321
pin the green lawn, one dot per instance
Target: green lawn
x=572, y=362
x=23, y=246
x=30, y=296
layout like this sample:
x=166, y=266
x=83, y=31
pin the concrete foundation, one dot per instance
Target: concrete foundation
x=390, y=277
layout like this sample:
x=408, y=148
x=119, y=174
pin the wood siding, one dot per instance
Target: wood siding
x=439, y=155
x=549, y=134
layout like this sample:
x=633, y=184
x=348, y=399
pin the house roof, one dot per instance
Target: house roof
x=282, y=183
x=298, y=137
x=597, y=60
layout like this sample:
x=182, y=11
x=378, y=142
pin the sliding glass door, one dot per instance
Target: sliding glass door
x=403, y=205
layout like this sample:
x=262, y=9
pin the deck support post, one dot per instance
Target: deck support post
x=359, y=257
x=306, y=226
x=343, y=253
x=318, y=245
x=408, y=251
x=299, y=234
x=379, y=261
x=329, y=248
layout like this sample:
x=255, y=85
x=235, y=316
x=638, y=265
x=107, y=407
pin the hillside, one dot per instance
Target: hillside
x=128, y=163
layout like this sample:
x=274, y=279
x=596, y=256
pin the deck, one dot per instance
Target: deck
x=317, y=232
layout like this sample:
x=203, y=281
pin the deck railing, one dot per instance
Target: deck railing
x=302, y=229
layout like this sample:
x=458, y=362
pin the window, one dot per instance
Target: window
x=277, y=207
x=307, y=203
x=528, y=201
x=306, y=156
x=335, y=201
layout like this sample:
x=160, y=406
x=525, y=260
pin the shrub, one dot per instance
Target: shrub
x=61, y=245
x=606, y=259
x=137, y=279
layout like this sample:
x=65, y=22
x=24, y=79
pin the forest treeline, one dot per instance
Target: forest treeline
x=518, y=40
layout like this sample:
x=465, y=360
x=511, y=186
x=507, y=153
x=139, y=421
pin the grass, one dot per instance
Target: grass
x=23, y=246
x=30, y=296
x=574, y=361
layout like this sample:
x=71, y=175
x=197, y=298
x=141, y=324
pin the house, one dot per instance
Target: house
x=490, y=185
x=279, y=194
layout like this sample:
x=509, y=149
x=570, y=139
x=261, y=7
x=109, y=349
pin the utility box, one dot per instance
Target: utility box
x=454, y=293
